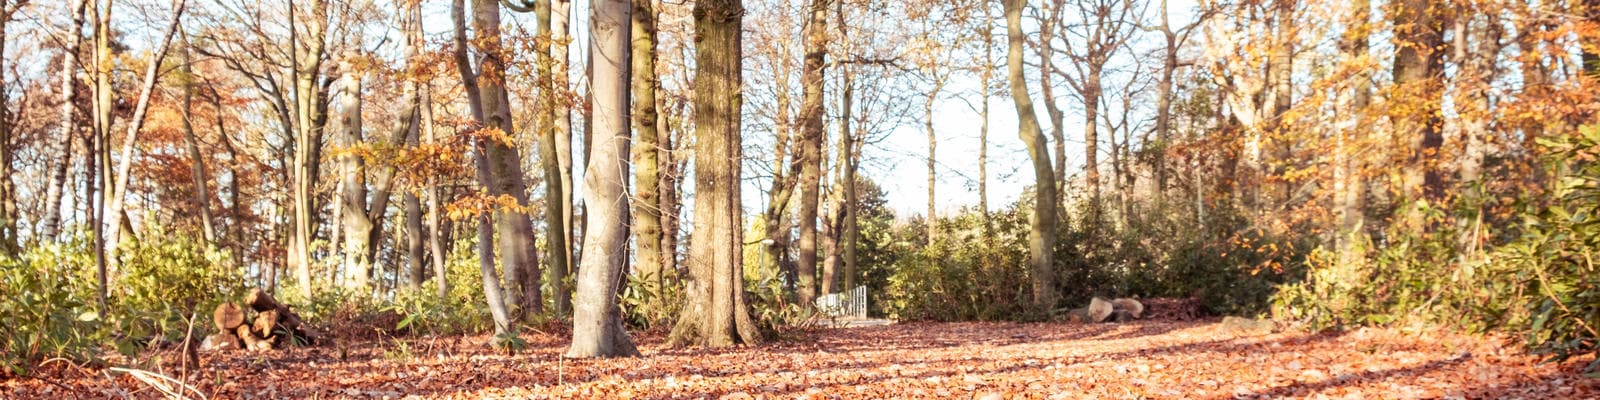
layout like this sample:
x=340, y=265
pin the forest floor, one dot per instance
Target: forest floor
x=1198, y=359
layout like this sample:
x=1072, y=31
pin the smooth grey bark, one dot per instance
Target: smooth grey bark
x=597, y=320
x=556, y=179
x=485, y=246
x=1042, y=226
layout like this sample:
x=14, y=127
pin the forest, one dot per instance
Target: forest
x=799, y=198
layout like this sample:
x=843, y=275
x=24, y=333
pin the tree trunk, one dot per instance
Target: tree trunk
x=933, y=145
x=561, y=11
x=985, y=79
x=310, y=117
x=776, y=217
x=713, y=312
x=847, y=164
x=486, y=266
x=1419, y=39
x=415, y=248
x=647, y=155
x=357, y=267
x=596, y=319
x=69, y=120
x=436, y=232
x=119, y=188
x=1042, y=235
x=812, y=78
x=1047, y=32
x=197, y=164
x=8, y=190
x=512, y=228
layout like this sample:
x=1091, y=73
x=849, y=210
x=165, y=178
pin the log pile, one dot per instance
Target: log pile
x=1102, y=310
x=1173, y=309
x=273, y=325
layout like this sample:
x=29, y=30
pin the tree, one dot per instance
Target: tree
x=1104, y=28
x=499, y=307
x=714, y=313
x=812, y=76
x=1042, y=225
x=555, y=146
x=1418, y=59
x=8, y=195
x=596, y=319
x=308, y=51
x=103, y=93
x=647, y=154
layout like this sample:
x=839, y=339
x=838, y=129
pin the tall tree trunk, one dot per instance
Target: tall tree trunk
x=436, y=231
x=933, y=145
x=1169, y=67
x=119, y=188
x=561, y=11
x=985, y=80
x=847, y=163
x=1047, y=32
x=357, y=227
x=415, y=248
x=8, y=190
x=69, y=120
x=812, y=77
x=1349, y=182
x=1091, y=142
x=514, y=231
x=596, y=319
x=310, y=117
x=555, y=194
x=776, y=217
x=1419, y=39
x=647, y=155
x=498, y=307
x=1042, y=235
x=1280, y=71
x=714, y=313
x=197, y=163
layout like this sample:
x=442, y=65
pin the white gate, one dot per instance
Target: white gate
x=852, y=303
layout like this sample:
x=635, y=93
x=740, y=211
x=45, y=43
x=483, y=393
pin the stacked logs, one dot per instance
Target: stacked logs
x=1102, y=310
x=274, y=325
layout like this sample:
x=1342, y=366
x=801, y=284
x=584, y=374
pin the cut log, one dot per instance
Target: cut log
x=261, y=301
x=251, y=341
x=227, y=317
x=1098, y=310
x=266, y=321
x=220, y=341
x=1126, y=310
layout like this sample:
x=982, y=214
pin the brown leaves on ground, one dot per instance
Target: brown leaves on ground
x=963, y=361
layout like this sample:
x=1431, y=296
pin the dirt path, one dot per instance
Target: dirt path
x=960, y=361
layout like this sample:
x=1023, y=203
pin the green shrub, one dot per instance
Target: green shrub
x=44, y=312
x=163, y=280
x=1553, y=263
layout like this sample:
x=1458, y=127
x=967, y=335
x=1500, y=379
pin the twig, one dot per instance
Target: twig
x=159, y=382
x=188, y=337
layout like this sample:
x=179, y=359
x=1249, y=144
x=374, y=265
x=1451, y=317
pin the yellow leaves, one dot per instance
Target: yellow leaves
x=480, y=203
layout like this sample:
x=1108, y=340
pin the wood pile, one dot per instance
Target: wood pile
x=1102, y=310
x=266, y=324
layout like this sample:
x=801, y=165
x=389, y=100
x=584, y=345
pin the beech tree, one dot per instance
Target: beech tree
x=1042, y=225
